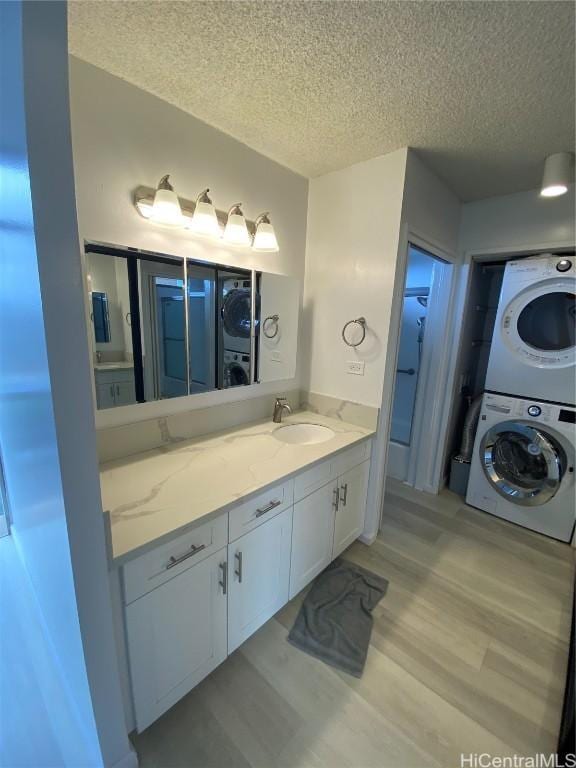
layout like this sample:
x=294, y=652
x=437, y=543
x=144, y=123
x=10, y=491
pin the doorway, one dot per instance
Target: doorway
x=422, y=334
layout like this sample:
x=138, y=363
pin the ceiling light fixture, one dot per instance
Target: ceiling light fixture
x=264, y=236
x=557, y=174
x=166, y=206
x=205, y=220
x=236, y=231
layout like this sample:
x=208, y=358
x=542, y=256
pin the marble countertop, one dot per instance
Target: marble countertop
x=121, y=364
x=152, y=495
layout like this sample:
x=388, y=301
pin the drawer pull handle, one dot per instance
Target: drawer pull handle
x=224, y=583
x=268, y=508
x=238, y=571
x=193, y=551
x=344, y=495
x=336, y=498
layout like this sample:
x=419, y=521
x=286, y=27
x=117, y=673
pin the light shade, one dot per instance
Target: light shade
x=557, y=174
x=236, y=231
x=265, y=237
x=205, y=221
x=166, y=207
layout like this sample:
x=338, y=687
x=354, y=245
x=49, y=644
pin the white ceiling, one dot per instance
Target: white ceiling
x=484, y=90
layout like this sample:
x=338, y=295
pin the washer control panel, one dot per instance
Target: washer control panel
x=514, y=407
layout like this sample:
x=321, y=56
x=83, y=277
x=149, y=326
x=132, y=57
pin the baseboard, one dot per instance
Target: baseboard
x=130, y=760
x=368, y=539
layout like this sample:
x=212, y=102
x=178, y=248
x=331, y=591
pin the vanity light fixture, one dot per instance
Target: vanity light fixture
x=557, y=174
x=205, y=219
x=236, y=231
x=264, y=235
x=166, y=206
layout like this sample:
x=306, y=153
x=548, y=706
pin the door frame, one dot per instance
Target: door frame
x=424, y=472
x=376, y=491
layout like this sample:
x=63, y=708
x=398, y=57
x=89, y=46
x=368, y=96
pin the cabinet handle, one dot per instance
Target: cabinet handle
x=238, y=571
x=118, y=390
x=344, y=494
x=193, y=551
x=111, y=391
x=268, y=507
x=336, y=498
x=224, y=583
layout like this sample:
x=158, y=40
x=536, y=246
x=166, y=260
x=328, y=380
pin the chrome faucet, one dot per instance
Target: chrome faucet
x=280, y=406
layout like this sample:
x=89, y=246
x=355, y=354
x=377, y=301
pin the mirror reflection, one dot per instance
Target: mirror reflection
x=163, y=327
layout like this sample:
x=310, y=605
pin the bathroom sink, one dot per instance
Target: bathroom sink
x=303, y=434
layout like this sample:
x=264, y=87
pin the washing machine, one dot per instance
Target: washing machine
x=533, y=352
x=236, y=314
x=236, y=369
x=523, y=464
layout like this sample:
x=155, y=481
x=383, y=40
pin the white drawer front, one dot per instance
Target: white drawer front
x=261, y=508
x=311, y=479
x=353, y=456
x=168, y=560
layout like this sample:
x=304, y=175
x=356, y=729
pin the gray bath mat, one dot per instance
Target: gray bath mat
x=335, y=620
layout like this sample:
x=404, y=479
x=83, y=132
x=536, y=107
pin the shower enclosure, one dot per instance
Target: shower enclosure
x=417, y=294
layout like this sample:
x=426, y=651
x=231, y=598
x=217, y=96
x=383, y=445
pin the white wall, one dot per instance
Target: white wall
x=46, y=423
x=124, y=137
x=351, y=253
x=520, y=222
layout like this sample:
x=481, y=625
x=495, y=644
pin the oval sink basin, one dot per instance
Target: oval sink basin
x=303, y=434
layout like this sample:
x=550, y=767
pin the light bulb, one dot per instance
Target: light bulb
x=236, y=231
x=265, y=237
x=557, y=174
x=205, y=221
x=166, y=207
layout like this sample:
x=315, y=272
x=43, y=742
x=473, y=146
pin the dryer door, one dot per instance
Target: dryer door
x=523, y=462
x=539, y=324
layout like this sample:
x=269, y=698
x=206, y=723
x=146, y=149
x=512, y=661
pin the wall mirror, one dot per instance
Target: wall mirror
x=166, y=327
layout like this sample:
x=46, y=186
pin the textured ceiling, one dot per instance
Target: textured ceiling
x=484, y=90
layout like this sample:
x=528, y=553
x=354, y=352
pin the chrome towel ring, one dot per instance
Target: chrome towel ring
x=272, y=321
x=361, y=321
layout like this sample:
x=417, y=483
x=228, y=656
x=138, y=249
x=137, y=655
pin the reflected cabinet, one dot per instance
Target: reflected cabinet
x=166, y=327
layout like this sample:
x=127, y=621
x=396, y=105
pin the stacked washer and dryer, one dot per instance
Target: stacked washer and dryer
x=525, y=447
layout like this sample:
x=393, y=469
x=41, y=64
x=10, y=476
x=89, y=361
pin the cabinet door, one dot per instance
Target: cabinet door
x=176, y=636
x=258, y=577
x=105, y=396
x=313, y=529
x=353, y=489
x=124, y=393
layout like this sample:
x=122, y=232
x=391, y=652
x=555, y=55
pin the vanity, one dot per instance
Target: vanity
x=210, y=537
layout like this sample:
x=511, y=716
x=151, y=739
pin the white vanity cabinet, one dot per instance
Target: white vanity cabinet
x=258, y=577
x=114, y=387
x=350, y=507
x=191, y=601
x=176, y=636
x=330, y=517
x=313, y=532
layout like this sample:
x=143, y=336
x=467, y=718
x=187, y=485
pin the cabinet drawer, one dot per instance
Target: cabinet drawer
x=309, y=481
x=261, y=508
x=168, y=560
x=114, y=375
x=352, y=457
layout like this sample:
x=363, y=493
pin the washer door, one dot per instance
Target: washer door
x=539, y=324
x=235, y=375
x=522, y=462
x=236, y=313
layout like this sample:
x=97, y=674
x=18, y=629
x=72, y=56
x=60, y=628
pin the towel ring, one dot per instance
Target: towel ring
x=361, y=321
x=271, y=320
